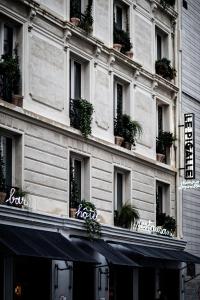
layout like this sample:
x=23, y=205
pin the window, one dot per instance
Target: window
x=118, y=101
x=79, y=179
x=185, y=4
x=121, y=15
x=162, y=198
x=11, y=156
x=161, y=44
x=122, y=187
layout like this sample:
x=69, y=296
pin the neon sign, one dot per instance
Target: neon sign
x=189, y=149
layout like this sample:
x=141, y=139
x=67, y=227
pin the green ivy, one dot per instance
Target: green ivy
x=93, y=228
x=164, y=69
x=87, y=21
x=85, y=110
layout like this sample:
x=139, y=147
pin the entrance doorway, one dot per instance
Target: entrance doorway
x=169, y=283
x=32, y=277
x=83, y=281
x=120, y=283
x=146, y=283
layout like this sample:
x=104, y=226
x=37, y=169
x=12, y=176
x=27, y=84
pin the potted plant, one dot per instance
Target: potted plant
x=131, y=129
x=164, y=141
x=166, y=221
x=81, y=116
x=166, y=3
x=126, y=216
x=10, y=72
x=75, y=12
x=2, y=179
x=87, y=21
x=121, y=41
x=164, y=69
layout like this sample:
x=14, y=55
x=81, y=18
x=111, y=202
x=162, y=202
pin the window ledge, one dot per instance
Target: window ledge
x=169, y=10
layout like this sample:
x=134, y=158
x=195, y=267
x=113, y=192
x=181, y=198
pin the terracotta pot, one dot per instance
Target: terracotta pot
x=72, y=212
x=117, y=47
x=75, y=21
x=119, y=140
x=129, y=54
x=127, y=145
x=17, y=100
x=160, y=157
x=2, y=197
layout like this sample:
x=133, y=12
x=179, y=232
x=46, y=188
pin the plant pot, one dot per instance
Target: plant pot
x=129, y=54
x=117, y=47
x=119, y=140
x=72, y=212
x=17, y=100
x=160, y=157
x=127, y=145
x=2, y=197
x=75, y=21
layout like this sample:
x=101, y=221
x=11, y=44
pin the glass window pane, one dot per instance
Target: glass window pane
x=119, y=17
x=8, y=40
x=119, y=99
x=6, y=152
x=159, y=200
x=119, y=190
x=77, y=177
x=77, y=80
x=160, y=119
x=159, y=46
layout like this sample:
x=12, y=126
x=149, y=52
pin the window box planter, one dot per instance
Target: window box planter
x=160, y=157
x=72, y=212
x=129, y=54
x=17, y=100
x=2, y=197
x=117, y=47
x=119, y=140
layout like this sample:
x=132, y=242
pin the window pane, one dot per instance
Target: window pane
x=160, y=119
x=119, y=98
x=77, y=80
x=119, y=17
x=159, y=46
x=119, y=190
x=159, y=200
x=6, y=152
x=8, y=40
x=77, y=177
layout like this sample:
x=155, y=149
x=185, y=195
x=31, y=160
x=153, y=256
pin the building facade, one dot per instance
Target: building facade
x=63, y=57
x=190, y=104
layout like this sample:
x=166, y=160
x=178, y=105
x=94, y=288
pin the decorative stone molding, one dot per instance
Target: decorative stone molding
x=67, y=36
x=32, y=15
x=111, y=62
x=98, y=50
x=136, y=74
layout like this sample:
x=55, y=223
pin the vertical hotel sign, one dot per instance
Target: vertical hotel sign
x=189, y=146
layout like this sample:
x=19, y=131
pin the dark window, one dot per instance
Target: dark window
x=160, y=119
x=77, y=80
x=119, y=17
x=119, y=191
x=159, y=47
x=6, y=152
x=75, y=182
x=185, y=4
x=75, y=8
x=119, y=99
x=8, y=40
x=159, y=199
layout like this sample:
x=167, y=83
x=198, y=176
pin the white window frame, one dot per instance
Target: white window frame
x=76, y=157
x=164, y=42
x=165, y=115
x=7, y=21
x=117, y=171
x=116, y=82
x=124, y=8
x=165, y=196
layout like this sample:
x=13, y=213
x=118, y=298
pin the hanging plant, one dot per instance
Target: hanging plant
x=163, y=141
x=164, y=69
x=85, y=110
x=126, y=216
x=87, y=212
x=166, y=222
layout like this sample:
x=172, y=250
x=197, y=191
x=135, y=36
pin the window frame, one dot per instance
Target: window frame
x=72, y=77
x=164, y=35
x=75, y=157
x=7, y=22
x=117, y=171
x=125, y=14
x=165, y=196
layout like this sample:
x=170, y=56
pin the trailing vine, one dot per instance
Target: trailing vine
x=85, y=109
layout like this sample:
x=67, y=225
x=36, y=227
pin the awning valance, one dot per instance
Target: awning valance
x=39, y=243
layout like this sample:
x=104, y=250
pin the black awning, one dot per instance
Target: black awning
x=112, y=255
x=39, y=243
x=158, y=253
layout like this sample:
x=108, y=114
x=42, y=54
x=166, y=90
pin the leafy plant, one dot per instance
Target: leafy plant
x=93, y=228
x=165, y=139
x=122, y=37
x=2, y=177
x=87, y=211
x=10, y=73
x=81, y=116
x=166, y=3
x=131, y=129
x=167, y=222
x=164, y=69
x=87, y=21
x=126, y=216
x=20, y=193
